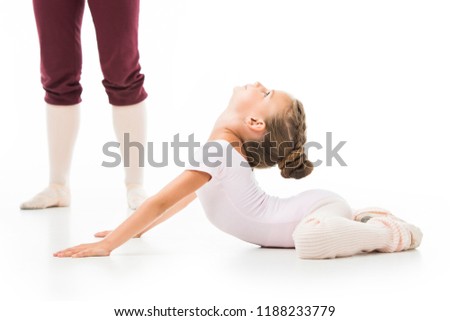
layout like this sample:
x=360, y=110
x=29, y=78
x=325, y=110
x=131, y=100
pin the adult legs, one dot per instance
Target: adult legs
x=59, y=24
x=116, y=23
x=130, y=126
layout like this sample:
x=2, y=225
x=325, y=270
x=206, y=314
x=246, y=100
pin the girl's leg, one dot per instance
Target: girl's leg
x=59, y=23
x=329, y=232
x=116, y=25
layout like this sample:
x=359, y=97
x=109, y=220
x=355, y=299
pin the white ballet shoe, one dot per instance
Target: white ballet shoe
x=136, y=195
x=407, y=235
x=365, y=214
x=53, y=196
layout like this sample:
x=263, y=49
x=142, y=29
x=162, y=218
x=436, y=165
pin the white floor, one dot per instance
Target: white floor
x=187, y=263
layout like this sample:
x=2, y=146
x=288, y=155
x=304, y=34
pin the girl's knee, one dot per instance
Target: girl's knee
x=314, y=237
x=306, y=236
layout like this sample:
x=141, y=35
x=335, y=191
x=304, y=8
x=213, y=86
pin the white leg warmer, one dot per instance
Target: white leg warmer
x=330, y=232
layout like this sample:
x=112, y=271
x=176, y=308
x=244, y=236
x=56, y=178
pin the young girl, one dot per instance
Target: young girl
x=261, y=128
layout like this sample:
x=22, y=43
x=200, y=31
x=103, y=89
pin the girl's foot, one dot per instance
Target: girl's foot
x=365, y=214
x=53, y=196
x=405, y=236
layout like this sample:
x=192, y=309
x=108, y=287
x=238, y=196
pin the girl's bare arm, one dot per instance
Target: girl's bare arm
x=147, y=214
x=181, y=204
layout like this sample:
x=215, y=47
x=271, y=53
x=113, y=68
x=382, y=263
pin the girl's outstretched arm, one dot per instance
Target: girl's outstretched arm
x=150, y=211
x=181, y=204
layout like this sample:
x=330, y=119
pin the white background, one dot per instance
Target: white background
x=374, y=73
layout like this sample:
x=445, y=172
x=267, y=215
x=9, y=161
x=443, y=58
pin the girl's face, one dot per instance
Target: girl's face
x=257, y=100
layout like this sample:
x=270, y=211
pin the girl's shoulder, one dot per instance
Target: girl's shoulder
x=227, y=144
x=222, y=155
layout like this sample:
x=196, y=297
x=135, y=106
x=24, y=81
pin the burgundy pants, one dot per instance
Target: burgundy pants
x=116, y=25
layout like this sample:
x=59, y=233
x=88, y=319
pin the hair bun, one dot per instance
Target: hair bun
x=295, y=165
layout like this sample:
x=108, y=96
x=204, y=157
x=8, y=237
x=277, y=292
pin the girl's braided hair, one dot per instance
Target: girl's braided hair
x=283, y=144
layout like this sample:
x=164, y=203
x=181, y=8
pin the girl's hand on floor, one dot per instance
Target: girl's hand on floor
x=85, y=250
x=106, y=233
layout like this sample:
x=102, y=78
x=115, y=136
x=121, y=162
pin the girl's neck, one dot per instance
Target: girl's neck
x=227, y=128
x=225, y=134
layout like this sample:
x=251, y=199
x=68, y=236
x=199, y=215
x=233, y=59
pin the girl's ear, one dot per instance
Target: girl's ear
x=255, y=124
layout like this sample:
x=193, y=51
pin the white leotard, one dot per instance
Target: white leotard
x=234, y=203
